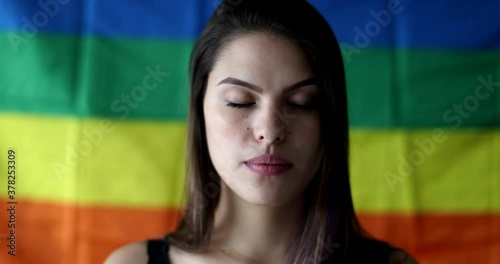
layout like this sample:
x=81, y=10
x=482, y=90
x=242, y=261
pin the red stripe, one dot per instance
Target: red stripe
x=55, y=233
x=440, y=238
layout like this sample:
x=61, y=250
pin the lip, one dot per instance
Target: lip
x=268, y=164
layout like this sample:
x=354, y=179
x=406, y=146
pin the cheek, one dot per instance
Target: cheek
x=224, y=131
x=223, y=127
x=307, y=133
x=307, y=141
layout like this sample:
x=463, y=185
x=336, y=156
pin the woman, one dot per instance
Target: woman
x=268, y=178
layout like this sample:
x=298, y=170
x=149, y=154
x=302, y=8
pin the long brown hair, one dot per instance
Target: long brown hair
x=330, y=229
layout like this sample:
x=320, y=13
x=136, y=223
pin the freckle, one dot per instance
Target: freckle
x=289, y=133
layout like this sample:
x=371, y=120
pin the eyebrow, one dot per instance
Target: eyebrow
x=231, y=80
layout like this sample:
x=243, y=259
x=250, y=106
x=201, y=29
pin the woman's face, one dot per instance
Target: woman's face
x=255, y=70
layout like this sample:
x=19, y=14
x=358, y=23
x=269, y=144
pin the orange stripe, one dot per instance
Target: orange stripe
x=54, y=233
x=440, y=238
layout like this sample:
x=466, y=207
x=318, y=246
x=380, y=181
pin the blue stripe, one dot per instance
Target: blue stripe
x=412, y=24
x=157, y=19
x=415, y=24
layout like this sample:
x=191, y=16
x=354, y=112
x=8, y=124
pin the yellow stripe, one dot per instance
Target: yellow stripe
x=65, y=160
x=141, y=163
x=430, y=170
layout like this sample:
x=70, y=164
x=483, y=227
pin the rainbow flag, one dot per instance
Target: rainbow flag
x=93, y=104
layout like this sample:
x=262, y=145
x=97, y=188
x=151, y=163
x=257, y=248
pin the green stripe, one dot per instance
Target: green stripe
x=387, y=88
x=420, y=88
x=84, y=77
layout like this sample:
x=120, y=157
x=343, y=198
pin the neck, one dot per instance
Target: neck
x=255, y=233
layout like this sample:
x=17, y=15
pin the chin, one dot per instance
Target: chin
x=266, y=198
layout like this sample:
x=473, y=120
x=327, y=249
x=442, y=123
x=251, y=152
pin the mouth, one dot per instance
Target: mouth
x=269, y=164
x=268, y=169
x=269, y=159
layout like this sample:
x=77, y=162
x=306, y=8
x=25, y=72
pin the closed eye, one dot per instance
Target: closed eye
x=295, y=105
x=239, y=105
x=303, y=106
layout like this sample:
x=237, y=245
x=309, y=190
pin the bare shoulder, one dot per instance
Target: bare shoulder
x=133, y=253
x=399, y=256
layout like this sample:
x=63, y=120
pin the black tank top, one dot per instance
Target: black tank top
x=158, y=251
x=370, y=251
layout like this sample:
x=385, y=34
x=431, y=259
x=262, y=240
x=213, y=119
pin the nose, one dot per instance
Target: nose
x=269, y=127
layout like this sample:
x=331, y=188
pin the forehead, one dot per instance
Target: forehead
x=262, y=57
